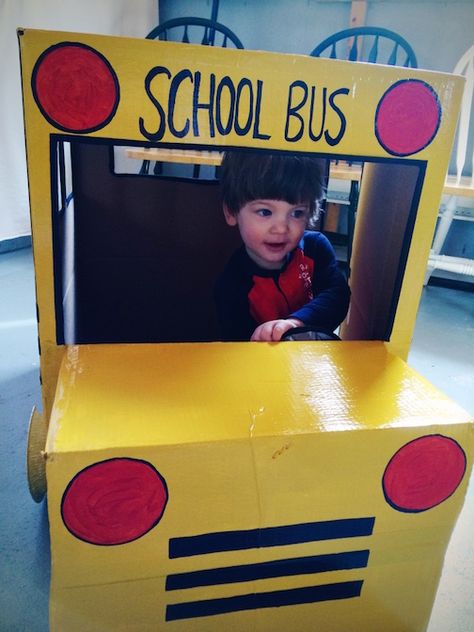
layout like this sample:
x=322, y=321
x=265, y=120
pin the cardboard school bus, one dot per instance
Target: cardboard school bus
x=199, y=485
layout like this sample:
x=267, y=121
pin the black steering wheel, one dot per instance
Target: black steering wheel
x=308, y=333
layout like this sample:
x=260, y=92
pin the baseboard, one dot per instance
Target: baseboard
x=16, y=243
x=454, y=284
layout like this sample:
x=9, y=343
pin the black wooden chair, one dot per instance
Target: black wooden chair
x=195, y=31
x=191, y=30
x=372, y=44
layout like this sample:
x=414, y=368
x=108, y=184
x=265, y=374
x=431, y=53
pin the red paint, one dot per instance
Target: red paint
x=424, y=473
x=407, y=118
x=75, y=87
x=114, y=501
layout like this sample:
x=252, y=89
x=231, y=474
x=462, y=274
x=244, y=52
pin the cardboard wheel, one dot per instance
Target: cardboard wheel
x=35, y=456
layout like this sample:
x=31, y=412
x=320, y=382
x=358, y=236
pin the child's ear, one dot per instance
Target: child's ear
x=229, y=217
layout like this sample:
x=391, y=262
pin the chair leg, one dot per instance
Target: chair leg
x=144, y=169
x=444, y=225
x=430, y=268
x=441, y=233
x=351, y=219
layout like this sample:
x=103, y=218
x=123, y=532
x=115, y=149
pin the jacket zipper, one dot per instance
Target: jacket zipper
x=282, y=293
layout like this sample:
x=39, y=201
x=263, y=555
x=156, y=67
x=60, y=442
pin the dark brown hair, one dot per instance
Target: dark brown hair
x=249, y=175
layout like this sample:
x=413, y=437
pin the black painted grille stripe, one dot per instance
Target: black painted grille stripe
x=270, y=536
x=266, y=570
x=295, y=596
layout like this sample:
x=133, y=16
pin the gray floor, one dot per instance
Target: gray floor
x=443, y=351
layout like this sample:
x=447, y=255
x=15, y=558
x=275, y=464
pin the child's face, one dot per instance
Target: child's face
x=270, y=229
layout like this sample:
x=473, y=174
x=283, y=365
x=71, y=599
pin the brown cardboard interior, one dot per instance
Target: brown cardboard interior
x=146, y=254
x=386, y=213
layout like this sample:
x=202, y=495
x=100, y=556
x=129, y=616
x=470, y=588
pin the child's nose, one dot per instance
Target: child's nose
x=280, y=225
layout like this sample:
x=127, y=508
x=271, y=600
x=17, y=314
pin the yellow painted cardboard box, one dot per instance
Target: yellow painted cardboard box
x=249, y=486
x=256, y=487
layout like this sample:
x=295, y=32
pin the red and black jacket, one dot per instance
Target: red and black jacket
x=310, y=287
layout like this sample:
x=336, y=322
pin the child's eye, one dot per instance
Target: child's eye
x=264, y=212
x=298, y=213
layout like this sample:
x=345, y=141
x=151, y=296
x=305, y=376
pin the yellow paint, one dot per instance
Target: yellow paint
x=260, y=436
x=260, y=390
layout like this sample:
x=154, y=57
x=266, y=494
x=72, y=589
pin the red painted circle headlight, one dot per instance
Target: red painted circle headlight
x=75, y=87
x=114, y=501
x=423, y=473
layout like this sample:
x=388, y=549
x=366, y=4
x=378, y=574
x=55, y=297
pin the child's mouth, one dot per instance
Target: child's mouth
x=275, y=246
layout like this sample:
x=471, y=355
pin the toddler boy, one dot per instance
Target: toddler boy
x=283, y=276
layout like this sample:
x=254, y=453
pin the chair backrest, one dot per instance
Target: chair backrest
x=191, y=30
x=368, y=43
x=196, y=30
x=465, y=66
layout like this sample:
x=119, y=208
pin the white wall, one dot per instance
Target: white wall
x=132, y=18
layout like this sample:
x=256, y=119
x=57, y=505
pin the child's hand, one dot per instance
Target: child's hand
x=273, y=330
